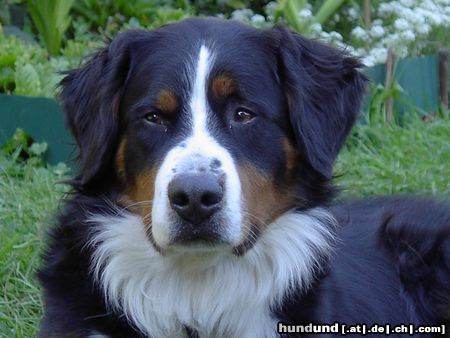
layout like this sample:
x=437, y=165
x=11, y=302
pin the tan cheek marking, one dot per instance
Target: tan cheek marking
x=138, y=191
x=222, y=86
x=291, y=156
x=138, y=198
x=120, y=159
x=143, y=192
x=167, y=101
x=264, y=201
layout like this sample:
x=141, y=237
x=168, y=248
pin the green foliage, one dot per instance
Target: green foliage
x=109, y=16
x=393, y=159
x=325, y=11
x=378, y=97
x=29, y=195
x=289, y=10
x=51, y=18
x=22, y=148
x=27, y=69
x=19, y=141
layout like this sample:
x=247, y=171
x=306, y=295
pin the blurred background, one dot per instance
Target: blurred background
x=41, y=37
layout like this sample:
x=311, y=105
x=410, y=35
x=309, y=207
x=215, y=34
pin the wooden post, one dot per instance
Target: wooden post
x=443, y=77
x=389, y=105
x=367, y=17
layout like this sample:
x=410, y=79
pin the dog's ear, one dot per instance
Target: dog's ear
x=91, y=99
x=324, y=91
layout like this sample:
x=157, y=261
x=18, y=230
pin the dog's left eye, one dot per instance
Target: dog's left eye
x=155, y=118
x=243, y=115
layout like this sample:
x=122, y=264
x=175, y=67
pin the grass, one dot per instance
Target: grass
x=376, y=160
x=29, y=196
x=385, y=159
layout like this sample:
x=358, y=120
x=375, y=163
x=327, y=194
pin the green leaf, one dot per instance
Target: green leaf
x=328, y=8
x=51, y=18
x=20, y=140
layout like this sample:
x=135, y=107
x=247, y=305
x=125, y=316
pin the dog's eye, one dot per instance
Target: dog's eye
x=243, y=115
x=155, y=118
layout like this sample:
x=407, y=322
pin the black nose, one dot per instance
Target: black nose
x=195, y=197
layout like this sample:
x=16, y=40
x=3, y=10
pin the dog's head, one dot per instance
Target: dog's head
x=210, y=129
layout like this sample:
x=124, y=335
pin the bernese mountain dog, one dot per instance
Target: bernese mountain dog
x=203, y=204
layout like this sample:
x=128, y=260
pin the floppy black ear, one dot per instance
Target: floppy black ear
x=324, y=91
x=91, y=97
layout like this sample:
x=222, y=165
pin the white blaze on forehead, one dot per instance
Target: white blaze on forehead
x=198, y=99
x=198, y=148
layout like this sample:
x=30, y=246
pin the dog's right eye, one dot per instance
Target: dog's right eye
x=155, y=118
x=243, y=115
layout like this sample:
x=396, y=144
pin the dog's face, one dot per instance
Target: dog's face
x=205, y=139
x=209, y=129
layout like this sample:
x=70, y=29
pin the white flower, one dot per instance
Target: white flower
x=407, y=3
x=420, y=17
x=407, y=36
x=305, y=13
x=423, y=29
x=271, y=7
x=401, y=24
x=377, y=22
x=336, y=36
x=434, y=18
x=409, y=14
x=359, y=33
x=379, y=54
x=352, y=13
x=258, y=18
x=242, y=14
x=349, y=49
x=377, y=31
x=324, y=35
x=369, y=61
x=385, y=9
x=391, y=40
x=316, y=28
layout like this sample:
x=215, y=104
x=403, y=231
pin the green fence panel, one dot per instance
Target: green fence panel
x=42, y=119
x=418, y=77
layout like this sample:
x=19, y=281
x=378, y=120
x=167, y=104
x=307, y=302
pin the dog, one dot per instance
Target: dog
x=204, y=205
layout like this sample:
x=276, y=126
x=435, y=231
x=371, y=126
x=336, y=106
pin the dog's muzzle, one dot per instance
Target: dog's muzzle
x=197, y=199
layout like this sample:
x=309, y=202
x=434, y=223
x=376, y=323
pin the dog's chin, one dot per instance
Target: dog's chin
x=205, y=238
x=199, y=241
x=199, y=248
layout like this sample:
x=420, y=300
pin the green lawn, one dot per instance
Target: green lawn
x=379, y=160
x=393, y=160
x=28, y=197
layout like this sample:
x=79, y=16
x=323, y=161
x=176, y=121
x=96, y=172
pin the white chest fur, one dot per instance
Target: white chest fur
x=219, y=295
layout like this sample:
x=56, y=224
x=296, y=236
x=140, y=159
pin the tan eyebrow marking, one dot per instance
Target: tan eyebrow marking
x=223, y=85
x=167, y=101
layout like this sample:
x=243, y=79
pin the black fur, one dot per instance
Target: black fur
x=391, y=266
x=392, y=262
x=324, y=92
x=91, y=98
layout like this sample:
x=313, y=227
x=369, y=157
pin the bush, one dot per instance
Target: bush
x=26, y=68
